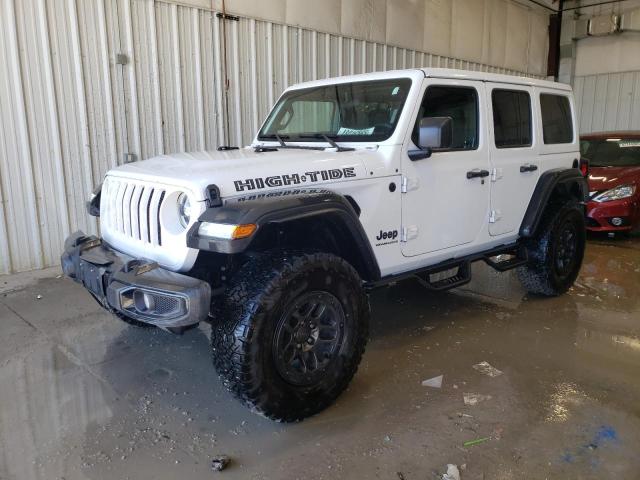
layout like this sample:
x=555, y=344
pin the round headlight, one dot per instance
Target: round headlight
x=184, y=209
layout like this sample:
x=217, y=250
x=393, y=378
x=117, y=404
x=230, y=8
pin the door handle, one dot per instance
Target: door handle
x=477, y=173
x=528, y=168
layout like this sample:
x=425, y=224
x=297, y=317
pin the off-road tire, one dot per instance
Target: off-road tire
x=245, y=330
x=543, y=275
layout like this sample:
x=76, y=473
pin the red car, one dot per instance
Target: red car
x=614, y=181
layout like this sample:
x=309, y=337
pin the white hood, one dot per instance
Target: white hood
x=237, y=172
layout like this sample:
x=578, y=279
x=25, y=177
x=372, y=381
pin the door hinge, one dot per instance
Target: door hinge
x=496, y=174
x=495, y=216
x=122, y=59
x=409, y=184
x=409, y=233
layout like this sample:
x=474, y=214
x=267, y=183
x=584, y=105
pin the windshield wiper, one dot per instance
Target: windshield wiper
x=280, y=140
x=329, y=140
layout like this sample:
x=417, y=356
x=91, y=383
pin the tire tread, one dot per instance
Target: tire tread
x=233, y=329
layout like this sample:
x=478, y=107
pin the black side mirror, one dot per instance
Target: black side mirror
x=435, y=132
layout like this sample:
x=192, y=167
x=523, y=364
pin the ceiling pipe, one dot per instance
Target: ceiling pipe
x=606, y=2
x=540, y=4
x=555, y=32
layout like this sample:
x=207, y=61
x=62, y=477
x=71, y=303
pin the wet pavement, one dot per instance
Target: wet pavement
x=83, y=396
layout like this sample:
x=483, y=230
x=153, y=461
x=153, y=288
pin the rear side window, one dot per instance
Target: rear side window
x=557, y=126
x=458, y=103
x=511, y=118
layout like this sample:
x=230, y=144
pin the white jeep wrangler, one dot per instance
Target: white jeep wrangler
x=351, y=183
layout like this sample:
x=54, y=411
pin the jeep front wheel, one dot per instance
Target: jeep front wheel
x=555, y=252
x=291, y=333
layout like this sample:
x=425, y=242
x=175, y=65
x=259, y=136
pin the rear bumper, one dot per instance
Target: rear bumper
x=600, y=216
x=135, y=288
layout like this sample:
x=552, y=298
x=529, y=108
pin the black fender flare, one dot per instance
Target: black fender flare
x=569, y=181
x=281, y=207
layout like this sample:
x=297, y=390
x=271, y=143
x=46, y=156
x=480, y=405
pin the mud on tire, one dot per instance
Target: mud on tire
x=290, y=335
x=555, y=252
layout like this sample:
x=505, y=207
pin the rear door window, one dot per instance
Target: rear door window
x=511, y=118
x=557, y=126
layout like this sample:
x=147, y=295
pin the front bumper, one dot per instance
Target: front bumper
x=135, y=288
x=600, y=215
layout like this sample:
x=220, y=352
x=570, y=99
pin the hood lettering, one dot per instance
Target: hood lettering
x=293, y=179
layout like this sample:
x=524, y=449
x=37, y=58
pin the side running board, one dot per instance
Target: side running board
x=517, y=258
x=451, y=276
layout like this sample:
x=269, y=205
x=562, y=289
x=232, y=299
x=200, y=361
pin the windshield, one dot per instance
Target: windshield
x=348, y=112
x=612, y=152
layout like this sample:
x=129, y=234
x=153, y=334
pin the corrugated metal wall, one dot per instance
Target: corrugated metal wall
x=608, y=101
x=70, y=112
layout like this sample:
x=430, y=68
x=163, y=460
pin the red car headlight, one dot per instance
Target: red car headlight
x=617, y=193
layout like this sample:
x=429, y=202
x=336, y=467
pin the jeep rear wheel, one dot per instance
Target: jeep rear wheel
x=555, y=252
x=291, y=333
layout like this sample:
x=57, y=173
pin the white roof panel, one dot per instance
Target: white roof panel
x=438, y=73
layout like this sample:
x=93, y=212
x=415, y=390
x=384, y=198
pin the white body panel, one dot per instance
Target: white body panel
x=451, y=212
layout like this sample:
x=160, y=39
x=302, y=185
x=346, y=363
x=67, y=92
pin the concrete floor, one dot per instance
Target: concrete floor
x=83, y=396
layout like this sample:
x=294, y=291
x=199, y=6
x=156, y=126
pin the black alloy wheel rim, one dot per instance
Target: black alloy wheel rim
x=308, y=338
x=566, y=249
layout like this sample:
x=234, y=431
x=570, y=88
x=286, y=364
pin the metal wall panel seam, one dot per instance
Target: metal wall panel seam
x=5, y=255
x=314, y=55
x=635, y=101
x=285, y=56
x=625, y=108
x=177, y=77
x=237, y=83
x=374, y=57
x=133, y=120
x=270, y=62
x=155, y=67
x=601, y=100
x=223, y=137
x=102, y=31
x=299, y=55
x=58, y=169
x=117, y=75
x=577, y=95
x=327, y=56
x=198, y=80
x=33, y=253
x=612, y=84
x=87, y=169
x=169, y=61
x=340, y=59
x=352, y=56
x=254, y=74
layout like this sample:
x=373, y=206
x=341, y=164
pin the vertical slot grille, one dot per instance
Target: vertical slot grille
x=133, y=210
